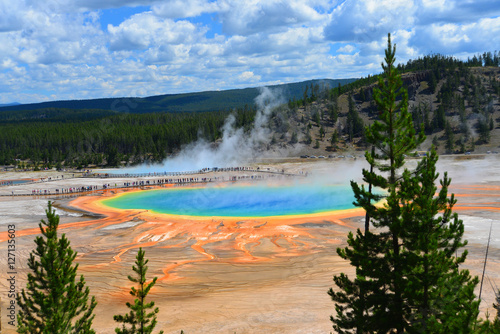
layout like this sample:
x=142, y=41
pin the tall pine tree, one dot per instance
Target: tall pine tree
x=439, y=296
x=140, y=319
x=391, y=291
x=54, y=300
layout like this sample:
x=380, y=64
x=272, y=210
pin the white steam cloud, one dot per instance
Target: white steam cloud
x=234, y=149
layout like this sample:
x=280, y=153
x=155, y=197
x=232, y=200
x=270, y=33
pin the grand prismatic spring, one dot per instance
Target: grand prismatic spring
x=239, y=201
x=244, y=257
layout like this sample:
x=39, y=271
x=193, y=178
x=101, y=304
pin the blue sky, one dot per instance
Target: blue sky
x=80, y=49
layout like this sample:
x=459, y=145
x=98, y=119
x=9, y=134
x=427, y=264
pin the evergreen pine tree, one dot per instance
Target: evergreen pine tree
x=373, y=300
x=450, y=138
x=439, y=296
x=483, y=129
x=439, y=119
x=54, y=300
x=317, y=118
x=335, y=137
x=389, y=292
x=140, y=319
x=354, y=121
x=321, y=132
x=308, y=139
x=362, y=95
x=435, y=141
x=332, y=112
x=432, y=82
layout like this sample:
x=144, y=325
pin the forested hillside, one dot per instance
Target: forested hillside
x=109, y=140
x=456, y=103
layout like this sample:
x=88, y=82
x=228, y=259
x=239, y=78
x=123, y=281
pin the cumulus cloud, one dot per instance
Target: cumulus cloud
x=89, y=5
x=446, y=38
x=448, y=11
x=419, y=27
x=63, y=49
x=11, y=15
x=175, y=9
x=49, y=37
x=346, y=49
x=367, y=20
x=248, y=76
x=249, y=17
x=146, y=30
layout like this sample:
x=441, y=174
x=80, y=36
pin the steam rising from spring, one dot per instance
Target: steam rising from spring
x=235, y=148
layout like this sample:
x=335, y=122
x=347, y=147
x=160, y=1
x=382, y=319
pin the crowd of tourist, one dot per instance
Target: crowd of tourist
x=155, y=182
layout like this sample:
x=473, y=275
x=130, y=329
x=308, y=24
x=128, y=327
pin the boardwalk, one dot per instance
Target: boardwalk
x=90, y=182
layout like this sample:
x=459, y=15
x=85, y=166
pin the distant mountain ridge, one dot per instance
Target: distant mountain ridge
x=10, y=104
x=187, y=102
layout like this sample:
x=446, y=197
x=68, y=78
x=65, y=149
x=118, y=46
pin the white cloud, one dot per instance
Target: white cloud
x=11, y=15
x=346, y=49
x=175, y=9
x=145, y=30
x=367, y=20
x=456, y=11
x=439, y=5
x=253, y=16
x=480, y=36
x=89, y=5
x=249, y=76
x=64, y=49
x=51, y=37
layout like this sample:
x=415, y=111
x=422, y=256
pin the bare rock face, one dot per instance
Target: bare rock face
x=412, y=82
